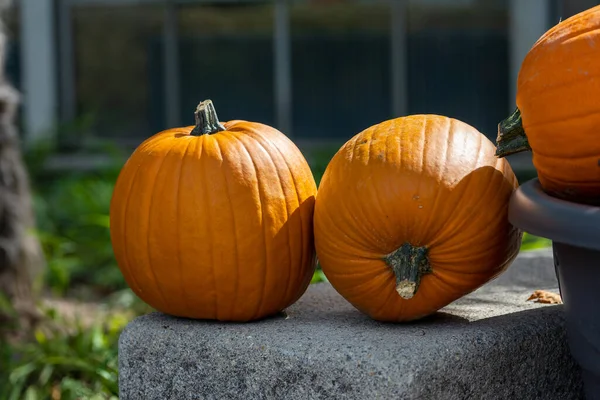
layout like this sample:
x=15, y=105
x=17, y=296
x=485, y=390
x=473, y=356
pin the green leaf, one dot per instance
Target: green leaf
x=40, y=336
x=45, y=375
x=17, y=391
x=32, y=394
x=21, y=373
x=99, y=220
x=319, y=276
x=531, y=242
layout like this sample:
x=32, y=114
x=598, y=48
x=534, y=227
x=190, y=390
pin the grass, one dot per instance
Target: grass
x=531, y=242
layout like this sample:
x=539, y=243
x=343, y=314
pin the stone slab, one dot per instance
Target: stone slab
x=491, y=344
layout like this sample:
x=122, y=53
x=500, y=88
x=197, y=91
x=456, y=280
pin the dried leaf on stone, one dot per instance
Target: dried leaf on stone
x=545, y=297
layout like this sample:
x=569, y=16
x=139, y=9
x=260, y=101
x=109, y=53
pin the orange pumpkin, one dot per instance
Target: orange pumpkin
x=412, y=214
x=558, y=115
x=215, y=221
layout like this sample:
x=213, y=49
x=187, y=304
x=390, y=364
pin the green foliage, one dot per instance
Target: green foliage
x=531, y=242
x=72, y=210
x=73, y=221
x=319, y=276
x=66, y=360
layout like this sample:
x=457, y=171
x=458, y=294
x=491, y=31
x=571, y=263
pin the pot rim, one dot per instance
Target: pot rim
x=535, y=212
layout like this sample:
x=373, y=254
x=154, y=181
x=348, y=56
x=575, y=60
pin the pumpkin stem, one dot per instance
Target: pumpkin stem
x=409, y=264
x=511, y=136
x=207, y=121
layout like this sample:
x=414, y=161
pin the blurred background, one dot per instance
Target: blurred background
x=99, y=76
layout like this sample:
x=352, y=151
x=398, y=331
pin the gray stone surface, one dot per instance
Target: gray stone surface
x=492, y=344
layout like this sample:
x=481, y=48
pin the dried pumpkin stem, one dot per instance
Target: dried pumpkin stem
x=511, y=136
x=409, y=264
x=207, y=121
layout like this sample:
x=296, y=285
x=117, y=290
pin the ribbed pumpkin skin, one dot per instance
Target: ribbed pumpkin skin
x=216, y=226
x=558, y=94
x=427, y=180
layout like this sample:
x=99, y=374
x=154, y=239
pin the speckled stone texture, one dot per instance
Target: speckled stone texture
x=492, y=344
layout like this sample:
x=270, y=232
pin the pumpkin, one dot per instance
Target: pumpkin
x=558, y=109
x=412, y=215
x=214, y=221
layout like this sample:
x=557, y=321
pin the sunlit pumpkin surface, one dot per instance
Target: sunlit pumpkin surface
x=216, y=226
x=428, y=181
x=559, y=99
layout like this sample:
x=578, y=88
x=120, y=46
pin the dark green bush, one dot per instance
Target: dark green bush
x=66, y=360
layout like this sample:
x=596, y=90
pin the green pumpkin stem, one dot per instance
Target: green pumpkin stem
x=511, y=136
x=409, y=264
x=207, y=121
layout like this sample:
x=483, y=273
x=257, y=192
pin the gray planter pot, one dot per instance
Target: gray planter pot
x=575, y=233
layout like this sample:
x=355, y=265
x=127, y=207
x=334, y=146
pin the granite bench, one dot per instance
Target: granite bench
x=491, y=344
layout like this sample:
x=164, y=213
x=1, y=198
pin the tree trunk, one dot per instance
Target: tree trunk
x=21, y=256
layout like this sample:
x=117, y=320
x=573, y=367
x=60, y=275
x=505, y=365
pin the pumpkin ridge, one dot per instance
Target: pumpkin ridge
x=442, y=172
x=148, y=145
x=422, y=142
x=127, y=197
x=409, y=263
x=559, y=180
x=554, y=32
x=369, y=274
x=302, y=228
x=399, y=143
x=355, y=157
x=375, y=190
x=455, y=292
x=525, y=85
x=465, y=219
x=262, y=222
x=566, y=119
x=206, y=199
x=127, y=201
x=235, y=237
x=356, y=243
x=177, y=229
x=349, y=147
x=443, y=233
x=143, y=157
x=149, y=217
x=258, y=139
x=367, y=136
x=570, y=37
x=365, y=284
x=594, y=156
x=391, y=293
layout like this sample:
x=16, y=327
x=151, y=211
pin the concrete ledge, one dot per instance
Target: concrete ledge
x=492, y=344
